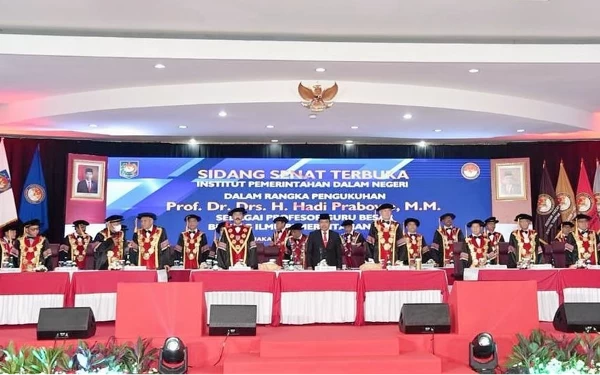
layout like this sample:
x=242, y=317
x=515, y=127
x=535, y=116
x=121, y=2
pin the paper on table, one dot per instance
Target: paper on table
x=162, y=276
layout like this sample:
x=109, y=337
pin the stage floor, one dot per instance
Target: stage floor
x=314, y=348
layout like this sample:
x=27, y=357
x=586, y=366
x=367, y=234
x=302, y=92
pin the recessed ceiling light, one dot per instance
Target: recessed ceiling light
x=159, y=66
x=474, y=70
x=182, y=127
x=274, y=140
x=520, y=130
x=349, y=141
x=192, y=141
x=222, y=114
x=407, y=116
x=437, y=130
x=320, y=70
x=93, y=126
x=312, y=117
x=270, y=126
x=422, y=144
x=354, y=127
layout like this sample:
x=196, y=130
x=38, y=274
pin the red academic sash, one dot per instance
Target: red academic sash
x=148, y=248
x=238, y=242
x=586, y=246
x=448, y=241
x=386, y=241
x=6, y=250
x=414, y=246
x=30, y=254
x=525, y=249
x=299, y=250
x=280, y=243
x=478, y=252
x=78, y=249
x=116, y=253
x=191, y=249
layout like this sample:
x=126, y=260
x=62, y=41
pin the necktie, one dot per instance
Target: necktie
x=324, y=239
x=89, y=186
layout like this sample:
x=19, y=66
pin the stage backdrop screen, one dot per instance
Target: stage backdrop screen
x=299, y=189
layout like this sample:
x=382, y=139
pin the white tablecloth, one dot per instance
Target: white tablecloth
x=25, y=309
x=386, y=306
x=318, y=307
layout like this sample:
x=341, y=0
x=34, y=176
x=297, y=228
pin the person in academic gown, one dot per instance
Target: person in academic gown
x=566, y=227
x=192, y=247
x=524, y=243
x=74, y=246
x=34, y=249
x=9, y=248
x=413, y=244
x=280, y=236
x=296, y=246
x=216, y=239
x=150, y=245
x=385, y=237
x=324, y=244
x=444, y=239
x=582, y=243
x=109, y=244
x=477, y=249
x=237, y=242
x=350, y=239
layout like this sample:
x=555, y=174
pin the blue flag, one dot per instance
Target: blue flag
x=34, y=203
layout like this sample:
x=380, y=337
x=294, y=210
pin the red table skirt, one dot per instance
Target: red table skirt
x=235, y=281
x=571, y=278
x=547, y=280
x=179, y=276
x=380, y=281
x=34, y=283
x=318, y=281
x=90, y=282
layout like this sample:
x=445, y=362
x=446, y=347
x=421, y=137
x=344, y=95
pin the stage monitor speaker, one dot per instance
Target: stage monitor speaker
x=232, y=320
x=425, y=318
x=577, y=317
x=66, y=323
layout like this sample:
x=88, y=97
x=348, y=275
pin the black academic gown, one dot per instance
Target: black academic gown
x=426, y=252
x=224, y=250
x=316, y=251
x=438, y=244
x=514, y=250
x=11, y=248
x=105, y=242
x=46, y=261
x=202, y=246
x=373, y=242
x=572, y=248
x=164, y=258
x=466, y=256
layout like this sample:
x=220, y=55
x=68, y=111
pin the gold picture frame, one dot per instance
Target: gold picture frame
x=88, y=189
x=511, y=181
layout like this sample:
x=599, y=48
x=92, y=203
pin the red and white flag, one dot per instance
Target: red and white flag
x=586, y=201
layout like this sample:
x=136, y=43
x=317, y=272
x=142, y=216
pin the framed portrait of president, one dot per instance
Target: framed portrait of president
x=511, y=182
x=87, y=179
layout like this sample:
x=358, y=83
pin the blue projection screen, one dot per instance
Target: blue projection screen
x=299, y=189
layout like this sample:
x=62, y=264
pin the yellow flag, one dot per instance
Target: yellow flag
x=565, y=195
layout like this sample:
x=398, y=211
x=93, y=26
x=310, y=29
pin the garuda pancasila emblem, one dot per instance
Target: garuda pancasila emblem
x=317, y=99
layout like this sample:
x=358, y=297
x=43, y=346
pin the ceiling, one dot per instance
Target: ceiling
x=76, y=64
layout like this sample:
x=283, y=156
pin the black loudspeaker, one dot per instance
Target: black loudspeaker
x=232, y=320
x=425, y=318
x=577, y=317
x=66, y=323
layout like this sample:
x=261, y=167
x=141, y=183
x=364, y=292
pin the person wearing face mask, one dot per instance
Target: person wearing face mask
x=150, y=245
x=237, y=242
x=109, y=243
x=34, y=248
x=75, y=245
x=192, y=247
x=9, y=248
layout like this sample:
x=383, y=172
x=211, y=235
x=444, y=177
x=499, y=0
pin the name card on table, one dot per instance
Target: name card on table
x=540, y=266
x=399, y=268
x=240, y=268
x=325, y=268
x=134, y=268
x=10, y=270
x=496, y=266
x=593, y=267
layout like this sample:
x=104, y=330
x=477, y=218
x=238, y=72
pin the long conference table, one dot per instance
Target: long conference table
x=298, y=297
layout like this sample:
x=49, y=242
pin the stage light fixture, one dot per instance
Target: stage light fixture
x=270, y=126
x=354, y=127
x=312, y=116
x=193, y=141
x=182, y=126
x=483, y=354
x=93, y=126
x=274, y=140
x=173, y=357
x=473, y=70
x=422, y=144
x=222, y=114
x=438, y=130
x=159, y=66
x=407, y=116
x=520, y=130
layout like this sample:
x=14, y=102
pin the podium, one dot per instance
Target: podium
x=160, y=310
x=497, y=307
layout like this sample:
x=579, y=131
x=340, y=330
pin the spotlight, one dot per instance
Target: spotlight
x=173, y=357
x=483, y=354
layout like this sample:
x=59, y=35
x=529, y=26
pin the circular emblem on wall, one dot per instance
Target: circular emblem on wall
x=584, y=202
x=565, y=201
x=545, y=204
x=470, y=171
x=35, y=194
